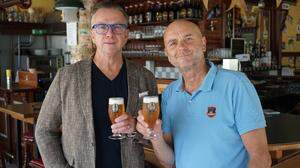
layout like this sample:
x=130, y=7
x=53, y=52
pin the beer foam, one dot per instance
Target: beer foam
x=150, y=99
x=116, y=100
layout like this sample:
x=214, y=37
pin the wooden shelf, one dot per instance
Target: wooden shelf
x=19, y=28
x=161, y=61
x=154, y=58
x=277, y=78
x=163, y=23
x=290, y=54
x=146, y=39
x=26, y=28
x=256, y=69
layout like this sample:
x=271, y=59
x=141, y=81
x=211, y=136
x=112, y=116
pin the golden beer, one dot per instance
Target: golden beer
x=116, y=108
x=150, y=110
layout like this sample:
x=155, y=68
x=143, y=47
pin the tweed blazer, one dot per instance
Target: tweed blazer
x=68, y=107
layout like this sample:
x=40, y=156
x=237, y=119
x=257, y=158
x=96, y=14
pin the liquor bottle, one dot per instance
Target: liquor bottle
x=136, y=14
x=141, y=18
x=171, y=11
x=126, y=10
x=189, y=9
x=154, y=9
x=193, y=7
x=176, y=10
x=148, y=16
x=159, y=12
x=182, y=9
x=199, y=9
x=165, y=12
x=130, y=17
x=8, y=78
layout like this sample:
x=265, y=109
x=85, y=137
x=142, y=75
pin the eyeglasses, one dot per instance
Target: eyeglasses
x=103, y=28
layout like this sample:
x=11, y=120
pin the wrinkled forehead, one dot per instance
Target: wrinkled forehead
x=178, y=31
x=108, y=15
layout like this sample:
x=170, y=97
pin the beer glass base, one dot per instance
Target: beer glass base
x=116, y=137
x=151, y=136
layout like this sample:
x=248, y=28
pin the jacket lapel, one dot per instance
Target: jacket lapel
x=132, y=82
x=85, y=95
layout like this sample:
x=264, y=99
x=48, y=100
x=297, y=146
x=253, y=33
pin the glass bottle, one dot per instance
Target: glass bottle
x=141, y=8
x=171, y=11
x=130, y=18
x=136, y=14
x=182, y=9
x=159, y=12
x=148, y=15
x=189, y=9
x=165, y=12
x=154, y=9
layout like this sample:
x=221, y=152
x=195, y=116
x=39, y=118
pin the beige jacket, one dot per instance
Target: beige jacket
x=68, y=104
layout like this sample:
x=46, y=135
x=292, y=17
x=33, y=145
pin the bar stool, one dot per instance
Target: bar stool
x=2, y=151
x=36, y=163
x=28, y=143
x=2, y=157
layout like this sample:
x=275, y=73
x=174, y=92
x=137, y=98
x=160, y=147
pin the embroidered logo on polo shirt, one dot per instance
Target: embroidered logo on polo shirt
x=211, y=111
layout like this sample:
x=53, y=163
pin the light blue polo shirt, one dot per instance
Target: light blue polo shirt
x=212, y=141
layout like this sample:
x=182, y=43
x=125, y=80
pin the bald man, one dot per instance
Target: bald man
x=212, y=118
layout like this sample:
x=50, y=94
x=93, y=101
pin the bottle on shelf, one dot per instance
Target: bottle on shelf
x=140, y=16
x=165, y=12
x=130, y=12
x=171, y=14
x=8, y=78
x=153, y=10
x=158, y=12
x=182, y=9
x=176, y=10
x=136, y=14
x=189, y=9
x=194, y=8
x=148, y=15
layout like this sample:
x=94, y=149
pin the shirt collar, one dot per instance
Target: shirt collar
x=207, y=82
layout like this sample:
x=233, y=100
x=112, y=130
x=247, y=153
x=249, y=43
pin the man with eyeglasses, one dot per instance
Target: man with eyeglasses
x=77, y=102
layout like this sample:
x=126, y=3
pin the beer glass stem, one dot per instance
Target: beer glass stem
x=131, y=135
x=116, y=136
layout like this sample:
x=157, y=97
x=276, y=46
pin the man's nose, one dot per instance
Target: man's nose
x=181, y=45
x=109, y=32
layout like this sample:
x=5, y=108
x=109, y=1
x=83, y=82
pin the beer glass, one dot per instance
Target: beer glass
x=116, y=108
x=150, y=113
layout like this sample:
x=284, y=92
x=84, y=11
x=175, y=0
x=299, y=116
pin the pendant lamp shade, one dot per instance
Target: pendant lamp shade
x=63, y=4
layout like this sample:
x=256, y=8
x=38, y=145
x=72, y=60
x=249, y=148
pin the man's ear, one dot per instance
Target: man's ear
x=204, y=44
x=126, y=34
x=92, y=36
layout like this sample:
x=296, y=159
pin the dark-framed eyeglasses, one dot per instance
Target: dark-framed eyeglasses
x=102, y=28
